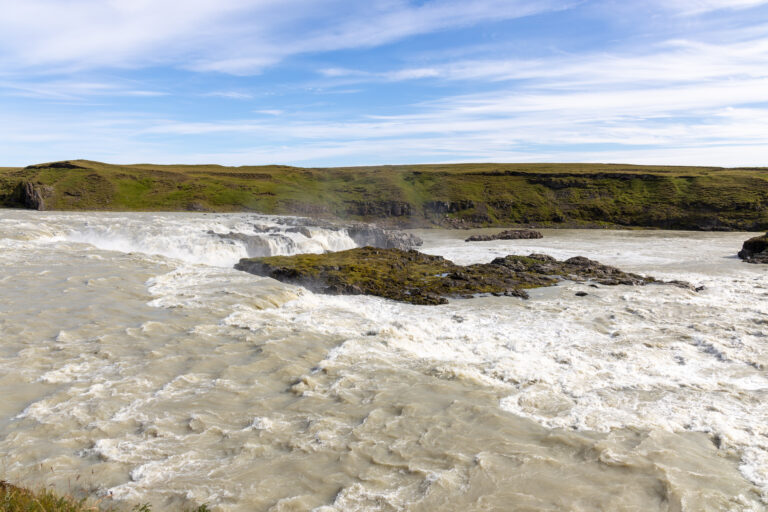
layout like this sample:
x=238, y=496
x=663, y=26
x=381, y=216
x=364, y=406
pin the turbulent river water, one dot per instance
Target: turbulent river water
x=136, y=363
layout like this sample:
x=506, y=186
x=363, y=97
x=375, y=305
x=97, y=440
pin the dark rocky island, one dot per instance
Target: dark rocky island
x=417, y=278
x=509, y=234
x=755, y=250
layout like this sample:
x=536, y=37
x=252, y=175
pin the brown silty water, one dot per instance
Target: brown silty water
x=131, y=370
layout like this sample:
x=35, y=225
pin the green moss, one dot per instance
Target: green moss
x=417, y=278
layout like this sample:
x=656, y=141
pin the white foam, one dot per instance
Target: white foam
x=651, y=358
x=192, y=238
x=67, y=373
x=654, y=357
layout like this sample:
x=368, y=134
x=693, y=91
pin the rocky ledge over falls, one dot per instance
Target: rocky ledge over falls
x=361, y=233
x=417, y=278
x=369, y=235
x=509, y=234
x=755, y=250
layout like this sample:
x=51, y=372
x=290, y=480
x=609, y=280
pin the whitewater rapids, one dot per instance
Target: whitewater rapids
x=136, y=363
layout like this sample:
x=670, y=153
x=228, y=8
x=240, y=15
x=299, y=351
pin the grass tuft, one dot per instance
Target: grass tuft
x=18, y=499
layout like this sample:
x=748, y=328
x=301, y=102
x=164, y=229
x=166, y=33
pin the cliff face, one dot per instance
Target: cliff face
x=458, y=196
x=27, y=194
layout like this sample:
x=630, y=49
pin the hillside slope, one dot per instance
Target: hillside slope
x=460, y=195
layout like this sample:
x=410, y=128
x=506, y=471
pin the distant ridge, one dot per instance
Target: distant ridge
x=447, y=195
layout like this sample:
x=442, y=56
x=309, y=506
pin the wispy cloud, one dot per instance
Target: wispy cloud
x=681, y=90
x=270, y=112
x=232, y=95
x=676, y=60
x=234, y=36
x=71, y=90
x=692, y=7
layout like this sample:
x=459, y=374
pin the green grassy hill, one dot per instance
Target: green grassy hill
x=460, y=195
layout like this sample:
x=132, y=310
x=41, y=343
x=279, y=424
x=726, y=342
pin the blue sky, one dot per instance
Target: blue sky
x=350, y=82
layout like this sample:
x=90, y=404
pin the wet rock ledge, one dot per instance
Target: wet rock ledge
x=755, y=250
x=509, y=234
x=417, y=278
x=362, y=234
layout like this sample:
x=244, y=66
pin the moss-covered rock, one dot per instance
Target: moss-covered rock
x=755, y=250
x=411, y=276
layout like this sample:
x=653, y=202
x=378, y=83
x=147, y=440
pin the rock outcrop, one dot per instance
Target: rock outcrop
x=379, y=209
x=417, y=278
x=304, y=230
x=273, y=238
x=33, y=195
x=260, y=245
x=755, y=250
x=362, y=233
x=509, y=234
x=369, y=235
x=64, y=164
x=448, y=206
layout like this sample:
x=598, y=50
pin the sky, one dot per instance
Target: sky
x=351, y=82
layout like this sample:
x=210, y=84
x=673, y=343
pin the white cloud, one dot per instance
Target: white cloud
x=541, y=128
x=729, y=137
x=234, y=36
x=68, y=90
x=688, y=100
x=667, y=62
x=680, y=101
x=685, y=103
x=232, y=95
x=414, y=73
x=338, y=72
x=691, y=7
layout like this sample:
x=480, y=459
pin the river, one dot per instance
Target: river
x=136, y=364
